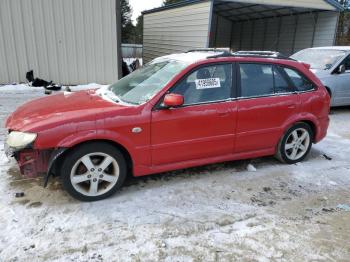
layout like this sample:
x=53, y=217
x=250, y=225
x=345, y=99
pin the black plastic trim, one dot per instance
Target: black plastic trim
x=54, y=156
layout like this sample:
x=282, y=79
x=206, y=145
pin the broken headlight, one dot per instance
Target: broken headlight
x=19, y=140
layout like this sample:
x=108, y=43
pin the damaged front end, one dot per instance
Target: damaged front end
x=32, y=162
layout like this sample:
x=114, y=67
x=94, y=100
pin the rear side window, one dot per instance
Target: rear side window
x=256, y=80
x=347, y=63
x=263, y=80
x=299, y=81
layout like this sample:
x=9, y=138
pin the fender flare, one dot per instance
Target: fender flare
x=54, y=156
x=305, y=117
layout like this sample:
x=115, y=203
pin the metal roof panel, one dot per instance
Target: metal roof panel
x=334, y=3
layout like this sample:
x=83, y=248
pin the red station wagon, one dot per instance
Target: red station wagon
x=178, y=111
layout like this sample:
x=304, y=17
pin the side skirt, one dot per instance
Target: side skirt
x=144, y=170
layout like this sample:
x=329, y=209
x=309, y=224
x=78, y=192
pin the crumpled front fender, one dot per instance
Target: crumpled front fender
x=91, y=135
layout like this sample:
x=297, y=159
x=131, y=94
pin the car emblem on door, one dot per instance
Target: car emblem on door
x=137, y=130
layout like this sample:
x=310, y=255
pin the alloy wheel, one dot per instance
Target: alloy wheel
x=297, y=144
x=94, y=174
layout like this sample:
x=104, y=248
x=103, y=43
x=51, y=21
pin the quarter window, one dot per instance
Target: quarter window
x=300, y=81
x=280, y=82
x=207, y=84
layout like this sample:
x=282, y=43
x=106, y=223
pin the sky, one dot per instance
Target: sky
x=140, y=5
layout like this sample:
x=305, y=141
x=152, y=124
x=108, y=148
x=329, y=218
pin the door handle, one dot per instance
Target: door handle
x=292, y=106
x=222, y=114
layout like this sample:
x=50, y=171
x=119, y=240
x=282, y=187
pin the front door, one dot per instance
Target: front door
x=341, y=85
x=204, y=126
x=267, y=99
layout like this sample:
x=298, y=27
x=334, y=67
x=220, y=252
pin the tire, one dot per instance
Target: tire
x=296, y=144
x=93, y=171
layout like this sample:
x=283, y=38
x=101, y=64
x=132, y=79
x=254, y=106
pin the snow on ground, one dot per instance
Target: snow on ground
x=221, y=212
x=20, y=88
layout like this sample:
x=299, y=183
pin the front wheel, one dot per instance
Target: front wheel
x=93, y=171
x=295, y=144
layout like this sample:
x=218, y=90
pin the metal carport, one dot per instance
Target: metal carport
x=66, y=41
x=281, y=25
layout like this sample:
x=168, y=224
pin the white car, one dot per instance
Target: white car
x=332, y=66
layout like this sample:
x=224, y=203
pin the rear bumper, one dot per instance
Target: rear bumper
x=322, y=129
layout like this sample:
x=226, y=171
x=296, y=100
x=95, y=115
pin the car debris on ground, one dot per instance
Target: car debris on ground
x=37, y=82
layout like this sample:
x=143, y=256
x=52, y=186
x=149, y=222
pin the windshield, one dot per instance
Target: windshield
x=143, y=84
x=319, y=58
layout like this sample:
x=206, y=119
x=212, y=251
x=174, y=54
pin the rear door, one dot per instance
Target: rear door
x=204, y=126
x=266, y=100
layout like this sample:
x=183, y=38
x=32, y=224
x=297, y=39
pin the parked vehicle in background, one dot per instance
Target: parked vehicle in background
x=176, y=112
x=332, y=66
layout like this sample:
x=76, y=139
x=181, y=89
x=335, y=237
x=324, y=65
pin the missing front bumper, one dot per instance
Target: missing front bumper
x=9, y=152
x=32, y=163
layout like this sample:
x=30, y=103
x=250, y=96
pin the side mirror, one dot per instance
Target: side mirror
x=173, y=100
x=341, y=69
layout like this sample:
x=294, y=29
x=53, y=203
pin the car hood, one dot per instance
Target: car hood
x=320, y=73
x=57, y=109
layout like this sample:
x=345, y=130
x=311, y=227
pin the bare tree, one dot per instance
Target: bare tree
x=343, y=34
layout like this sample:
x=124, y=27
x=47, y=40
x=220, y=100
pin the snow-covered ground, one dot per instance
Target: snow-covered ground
x=257, y=210
x=24, y=88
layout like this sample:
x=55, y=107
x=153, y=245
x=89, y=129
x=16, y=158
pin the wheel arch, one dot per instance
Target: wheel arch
x=329, y=90
x=307, y=121
x=313, y=127
x=57, y=161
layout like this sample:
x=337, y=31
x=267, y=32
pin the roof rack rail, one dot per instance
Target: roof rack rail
x=226, y=52
x=222, y=50
x=268, y=54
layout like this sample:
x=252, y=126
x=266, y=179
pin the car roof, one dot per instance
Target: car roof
x=342, y=48
x=202, y=55
x=194, y=58
x=191, y=57
x=188, y=57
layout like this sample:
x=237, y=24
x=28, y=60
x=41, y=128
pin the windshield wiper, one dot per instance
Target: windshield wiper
x=111, y=95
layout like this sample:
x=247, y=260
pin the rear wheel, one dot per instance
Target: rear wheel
x=93, y=171
x=295, y=144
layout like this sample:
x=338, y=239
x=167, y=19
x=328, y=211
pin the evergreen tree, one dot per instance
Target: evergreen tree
x=168, y=2
x=127, y=27
x=139, y=30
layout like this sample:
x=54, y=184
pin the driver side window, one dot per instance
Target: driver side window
x=347, y=63
x=206, y=84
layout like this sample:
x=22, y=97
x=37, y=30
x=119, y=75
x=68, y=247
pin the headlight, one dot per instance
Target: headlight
x=20, y=140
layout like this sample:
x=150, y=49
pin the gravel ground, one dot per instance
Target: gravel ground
x=256, y=210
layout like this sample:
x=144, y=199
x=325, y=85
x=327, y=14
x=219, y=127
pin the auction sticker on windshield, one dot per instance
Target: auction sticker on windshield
x=208, y=83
